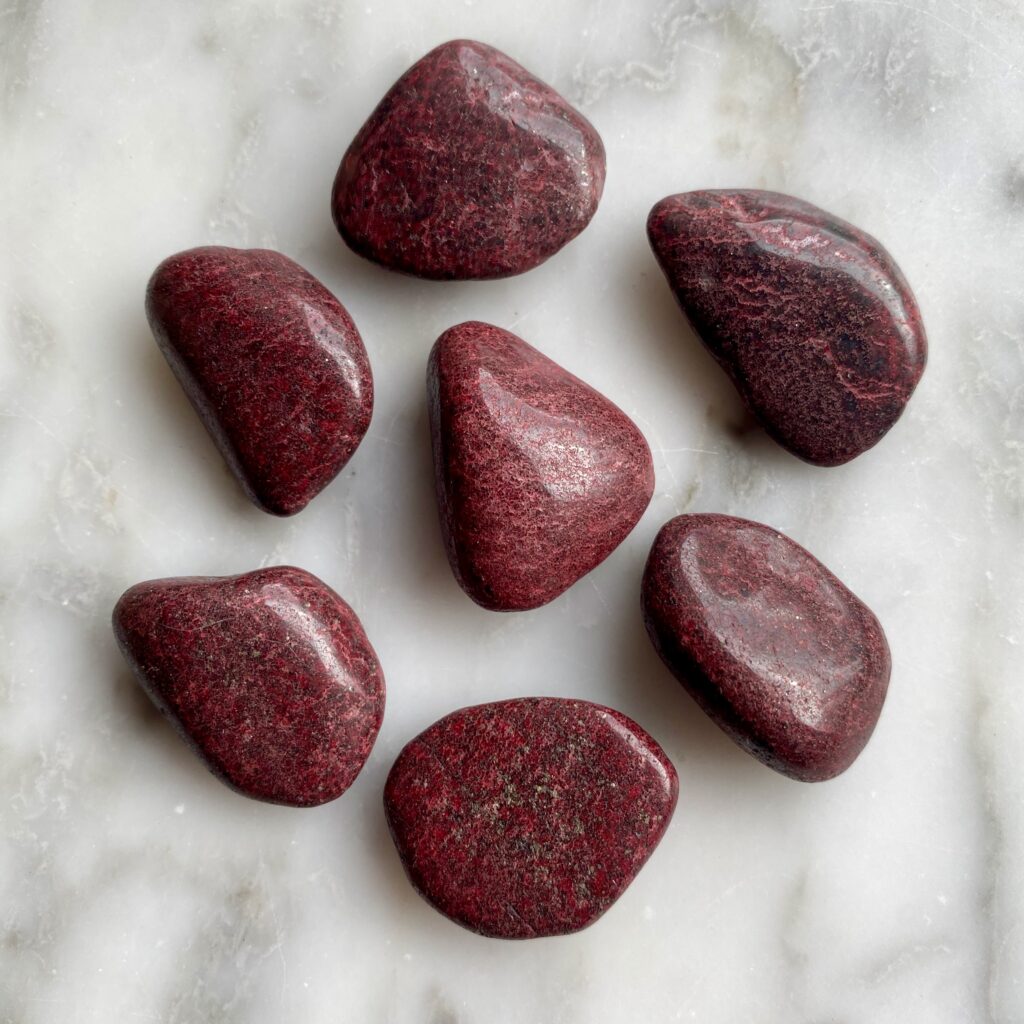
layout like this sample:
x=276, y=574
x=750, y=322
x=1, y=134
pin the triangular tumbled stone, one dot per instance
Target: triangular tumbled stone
x=539, y=477
x=468, y=168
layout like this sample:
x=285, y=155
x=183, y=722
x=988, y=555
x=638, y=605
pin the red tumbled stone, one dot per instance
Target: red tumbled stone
x=268, y=676
x=539, y=477
x=528, y=817
x=468, y=168
x=272, y=363
x=809, y=316
x=769, y=643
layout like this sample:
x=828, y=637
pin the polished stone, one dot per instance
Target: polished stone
x=539, y=477
x=468, y=168
x=809, y=316
x=528, y=817
x=268, y=676
x=271, y=361
x=769, y=643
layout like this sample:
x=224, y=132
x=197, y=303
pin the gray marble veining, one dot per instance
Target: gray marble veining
x=136, y=888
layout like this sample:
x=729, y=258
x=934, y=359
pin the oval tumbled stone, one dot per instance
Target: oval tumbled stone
x=528, y=817
x=271, y=361
x=468, y=168
x=268, y=676
x=809, y=316
x=769, y=643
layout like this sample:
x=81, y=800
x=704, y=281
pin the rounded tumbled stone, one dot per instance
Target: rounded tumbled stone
x=271, y=361
x=777, y=651
x=470, y=167
x=268, y=677
x=528, y=817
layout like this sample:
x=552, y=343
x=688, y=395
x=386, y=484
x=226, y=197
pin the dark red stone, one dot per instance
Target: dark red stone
x=468, y=168
x=528, y=817
x=268, y=676
x=539, y=477
x=810, y=317
x=272, y=363
x=767, y=641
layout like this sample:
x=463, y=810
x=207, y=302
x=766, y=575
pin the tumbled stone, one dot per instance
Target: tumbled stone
x=767, y=641
x=528, y=817
x=272, y=363
x=268, y=677
x=539, y=477
x=809, y=316
x=468, y=168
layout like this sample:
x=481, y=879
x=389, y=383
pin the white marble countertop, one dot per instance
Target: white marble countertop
x=135, y=887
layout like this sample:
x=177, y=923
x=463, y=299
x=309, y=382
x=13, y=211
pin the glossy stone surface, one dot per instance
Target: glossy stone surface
x=272, y=363
x=809, y=316
x=791, y=664
x=468, y=168
x=268, y=676
x=528, y=817
x=539, y=477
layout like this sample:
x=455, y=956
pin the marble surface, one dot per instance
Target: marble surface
x=136, y=887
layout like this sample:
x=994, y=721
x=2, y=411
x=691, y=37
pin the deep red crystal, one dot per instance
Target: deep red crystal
x=468, y=168
x=791, y=664
x=809, y=316
x=528, y=817
x=271, y=361
x=539, y=477
x=268, y=676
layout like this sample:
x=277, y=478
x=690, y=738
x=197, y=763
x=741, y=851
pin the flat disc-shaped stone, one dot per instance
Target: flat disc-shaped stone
x=528, y=817
x=769, y=643
x=539, y=477
x=272, y=363
x=468, y=168
x=809, y=316
x=268, y=676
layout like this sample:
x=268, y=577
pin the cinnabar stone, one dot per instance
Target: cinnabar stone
x=268, y=677
x=769, y=643
x=271, y=361
x=528, y=817
x=809, y=316
x=539, y=477
x=468, y=168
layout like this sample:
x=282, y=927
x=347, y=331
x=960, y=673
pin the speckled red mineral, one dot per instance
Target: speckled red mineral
x=528, y=817
x=769, y=643
x=539, y=477
x=272, y=363
x=268, y=676
x=809, y=316
x=468, y=168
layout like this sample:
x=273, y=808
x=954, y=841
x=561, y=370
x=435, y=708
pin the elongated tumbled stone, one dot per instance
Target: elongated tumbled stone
x=268, y=676
x=539, y=477
x=767, y=641
x=271, y=361
x=468, y=168
x=810, y=317
x=528, y=817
